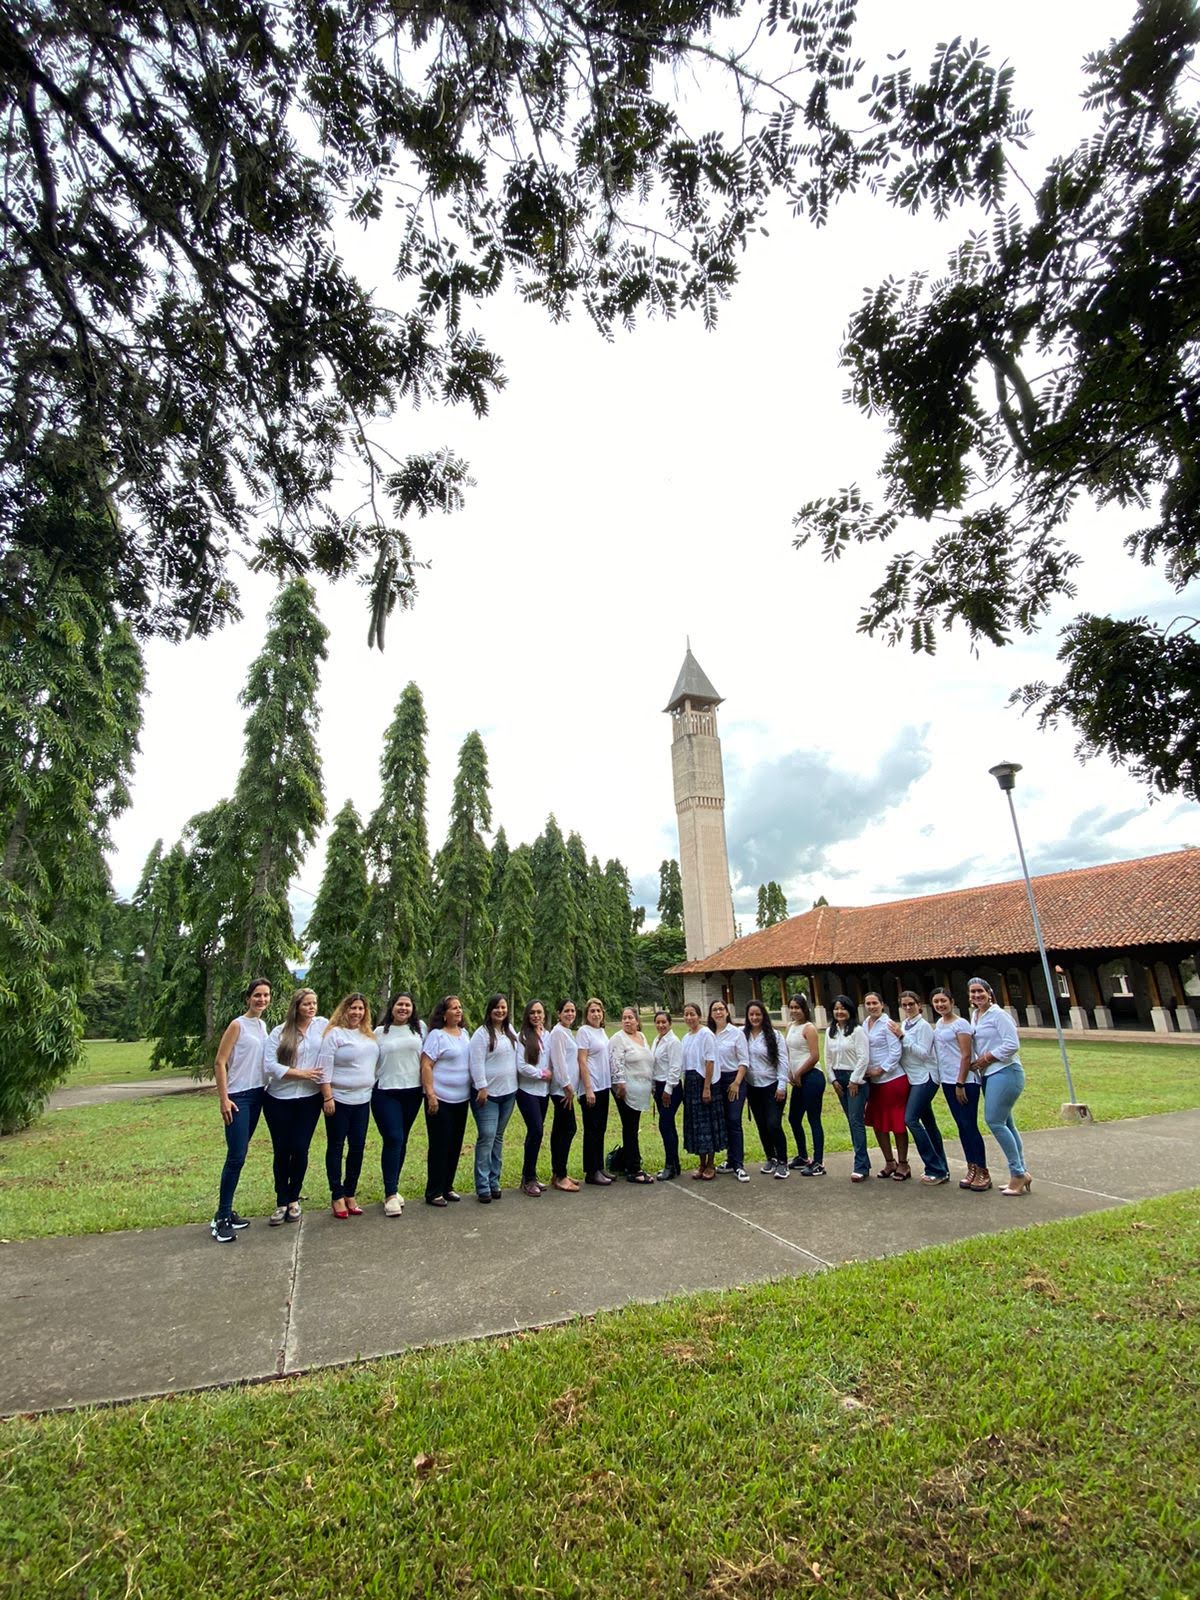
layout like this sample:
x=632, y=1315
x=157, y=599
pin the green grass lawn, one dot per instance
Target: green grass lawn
x=150, y=1163
x=1016, y=1416
x=116, y=1061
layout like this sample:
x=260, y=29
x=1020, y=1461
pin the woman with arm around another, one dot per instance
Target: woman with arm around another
x=920, y=1068
x=632, y=1063
x=239, y=1071
x=396, y=1098
x=808, y=1088
x=668, y=1089
x=998, y=1062
x=889, y=1089
x=349, y=1056
x=293, y=1101
x=564, y=1091
x=846, y=1060
x=595, y=1082
x=446, y=1081
x=704, y=1130
x=732, y=1064
x=952, y=1045
x=493, y=1055
x=534, y=1073
x=766, y=1079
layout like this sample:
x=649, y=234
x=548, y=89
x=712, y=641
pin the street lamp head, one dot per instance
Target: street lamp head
x=1005, y=774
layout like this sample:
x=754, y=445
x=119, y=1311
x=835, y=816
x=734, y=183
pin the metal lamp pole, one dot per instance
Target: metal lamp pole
x=1005, y=774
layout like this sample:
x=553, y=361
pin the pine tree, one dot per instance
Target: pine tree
x=462, y=928
x=760, y=916
x=279, y=803
x=398, y=924
x=555, y=925
x=670, y=895
x=70, y=685
x=335, y=928
x=159, y=904
x=617, y=892
x=588, y=963
x=500, y=855
x=777, y=906
x=514, y=931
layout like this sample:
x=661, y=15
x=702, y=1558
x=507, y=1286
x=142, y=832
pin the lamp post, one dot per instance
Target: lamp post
x=1005, y=774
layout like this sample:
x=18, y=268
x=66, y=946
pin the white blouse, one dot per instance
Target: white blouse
x=632, y=1062
x=731, y=1050
x=308, y=1054
x=946, y=1033
x=761, y=1073
x=493, y=1066
x=916, y=1050
x=399, y=1056
x=595, y=1042
x=798, y=1050
x=847, y=1052
x=535, y=1076
x=697, y=1049
x=668, y=1060
x=451, y=1057
x=564, y=1060
x=347, y=1061
x=244, y=1069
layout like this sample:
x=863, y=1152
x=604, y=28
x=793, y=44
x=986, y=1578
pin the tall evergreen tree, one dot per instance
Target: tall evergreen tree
x=335, y=929
x=159, y=906
x=772, y=905
x=500, y=855
x=398, y=925
x=462, y=927
x=514, y=931
x=760, y=916
x=278, y=803
x=670, y=895
x=555, y=923
x=71, y=679
x=588, y=956
x=620, y=926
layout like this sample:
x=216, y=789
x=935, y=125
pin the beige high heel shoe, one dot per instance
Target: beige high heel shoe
x=1021, y=1185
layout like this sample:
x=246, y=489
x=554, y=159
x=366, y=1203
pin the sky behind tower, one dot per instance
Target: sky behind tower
x=632, y=493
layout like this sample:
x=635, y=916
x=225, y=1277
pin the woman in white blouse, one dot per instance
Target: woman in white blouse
x=397, y=1097
x=632, y=1064
x=808, y=1088
x=493, y=1057
x=534, y=1075
x=239, y=1071
x=732, y=1064
x=703, y=1112
x=766, y=1087
x=846, y=1060
x=668, y=1089
x=446, y=1080
x=918, y=1058
x=889, y=1089
x=997, y=1060
x=349, y=1055
x=293, y=1102
x=564, y=1090
x=595, y=1082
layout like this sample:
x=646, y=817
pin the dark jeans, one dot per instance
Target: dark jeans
x=533, y=1108
x=735, y=1149
x=966, y=1120
x=668, y=1132
x=562, y=1136
x=345, y=1129
x=631, y=1140
x=292, y=1123
x=807, y=1096
x=238, y=1135
x=445, y=1129
x=855, y=1106
x=395, y=1111
x=768, y=1119
x=595, y=1125
x=922, y=1124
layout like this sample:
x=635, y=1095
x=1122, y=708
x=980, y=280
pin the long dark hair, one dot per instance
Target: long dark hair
x=289, y=1039
x=851, y=1021
x=529, y=1034
x=385, y=1021
x=801, y=1000
x=708, y=1021
x=493, y=1001
x=768, y=1031
x=438, y=1019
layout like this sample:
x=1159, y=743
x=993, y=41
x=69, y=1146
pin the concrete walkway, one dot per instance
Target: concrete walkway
x=132, y=1315
x=102, y=1094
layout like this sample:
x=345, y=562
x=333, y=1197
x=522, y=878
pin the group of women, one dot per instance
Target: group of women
x=885, y=1072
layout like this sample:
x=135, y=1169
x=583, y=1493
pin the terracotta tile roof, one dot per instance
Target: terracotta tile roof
x=1154, y=900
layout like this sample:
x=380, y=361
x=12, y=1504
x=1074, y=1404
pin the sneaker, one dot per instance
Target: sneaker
x=222, y=1230
x=768, y=1169
x=393, y=1206
x=278, y=1217
x=741, y=1174
x=726, y=1167
x=293, y=1211
x=234, y=1220
x=781, y=1170
x=815, y=1170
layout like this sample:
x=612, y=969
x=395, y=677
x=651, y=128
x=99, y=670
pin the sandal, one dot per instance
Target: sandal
x=639, y=1177
x=902, y=1173
x=887, y=1171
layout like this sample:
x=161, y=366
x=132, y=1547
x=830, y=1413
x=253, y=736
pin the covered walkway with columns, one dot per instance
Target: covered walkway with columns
x=1123, y=941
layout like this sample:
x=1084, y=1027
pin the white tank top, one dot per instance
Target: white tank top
x=245, y=1067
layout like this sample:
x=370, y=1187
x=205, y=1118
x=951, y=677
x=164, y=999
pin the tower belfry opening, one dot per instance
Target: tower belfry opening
x=700, y=808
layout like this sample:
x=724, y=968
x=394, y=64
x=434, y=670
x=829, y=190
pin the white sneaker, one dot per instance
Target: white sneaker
x=393, y=1206
x=278, y=1217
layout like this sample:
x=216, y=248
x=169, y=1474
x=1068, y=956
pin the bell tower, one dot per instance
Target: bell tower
x=700, y=808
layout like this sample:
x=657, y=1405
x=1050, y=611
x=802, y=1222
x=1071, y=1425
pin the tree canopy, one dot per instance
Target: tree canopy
x=185, y=337
x=1055, y=363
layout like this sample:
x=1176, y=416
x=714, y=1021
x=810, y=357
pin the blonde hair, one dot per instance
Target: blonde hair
x=289, y=1038
x=595, y=1001
x=338, y=1019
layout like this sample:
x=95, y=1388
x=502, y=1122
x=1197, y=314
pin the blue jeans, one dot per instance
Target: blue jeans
x=855, y=1107
x=395, y=1111
x=238, y=1134
x=735, y=1149
x=668, y=1132
x=1001, y=1091
x=491, y=1119
x=806, y=1102
x=966, y=1120
x=345, y=1129
x=922, y=1124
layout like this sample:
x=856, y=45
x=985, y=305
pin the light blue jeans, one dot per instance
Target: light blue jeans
x=1001, y=1091
x=491, y=1119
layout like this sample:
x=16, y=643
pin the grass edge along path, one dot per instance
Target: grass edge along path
x=1013, y=1415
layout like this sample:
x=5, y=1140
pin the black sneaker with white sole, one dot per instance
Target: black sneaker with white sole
x=236, y=1222
x=223, y=1230
x=727, y=1168
x=740, y=1174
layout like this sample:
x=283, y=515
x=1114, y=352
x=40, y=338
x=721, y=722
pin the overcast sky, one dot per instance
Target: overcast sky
x=631, y=493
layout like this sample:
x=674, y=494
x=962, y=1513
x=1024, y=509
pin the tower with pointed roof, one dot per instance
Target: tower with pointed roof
x=700, y=807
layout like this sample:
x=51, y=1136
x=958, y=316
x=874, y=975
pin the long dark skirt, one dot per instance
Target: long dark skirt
x=703, y=1125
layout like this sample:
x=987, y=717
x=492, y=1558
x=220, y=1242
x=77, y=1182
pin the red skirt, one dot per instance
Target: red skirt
x=886, y=1104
